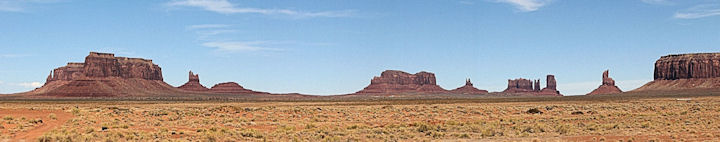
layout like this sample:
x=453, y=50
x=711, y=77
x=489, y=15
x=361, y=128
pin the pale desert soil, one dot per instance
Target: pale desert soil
x=653, y=119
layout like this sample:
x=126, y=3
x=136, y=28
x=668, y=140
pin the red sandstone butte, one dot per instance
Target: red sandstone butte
x=468, y=89
x=232, y=88
x=685, y=71
x=193, y=84
x=393, y=81
x=103, y=74
x=607, y=87
x=532, y=88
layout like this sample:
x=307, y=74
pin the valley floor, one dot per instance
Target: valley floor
x=655, y=118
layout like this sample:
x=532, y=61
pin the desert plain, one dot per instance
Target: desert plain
x=644, y=116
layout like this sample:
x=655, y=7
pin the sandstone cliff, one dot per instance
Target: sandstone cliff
x=607, y=87
x=193, y=83
x=685, y=71
x=104, y=75
x=468, y=89
x=100, y=65
x=532, y=88
x=392, y=81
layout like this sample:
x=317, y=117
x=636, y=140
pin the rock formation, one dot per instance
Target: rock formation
x=193, y=83
x=528, y=87
x=232, y=88
x=468, y=89
x=685, y=66
x=103, y=74
x=392, y=81
x=607, y=87
x=685, y=71
x=101, y=65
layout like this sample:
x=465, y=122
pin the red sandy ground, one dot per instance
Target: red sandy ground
x=33, y=133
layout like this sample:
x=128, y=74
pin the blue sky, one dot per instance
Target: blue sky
x=337, y=46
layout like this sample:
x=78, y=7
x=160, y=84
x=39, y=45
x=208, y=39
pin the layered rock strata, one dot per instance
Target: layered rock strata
x=103, y=75
x=193, y=83
x=685, y=71
x=393, y=81
x=607, y=87
x=529, y=87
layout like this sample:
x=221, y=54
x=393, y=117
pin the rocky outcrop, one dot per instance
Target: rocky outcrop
x=104, y=75
x=607, y=87
x=685, y=71
x=193, y=83
x=393, y=81
x=468, y=89
x=686, y=66
x=232, y=88
x=529, y=87
x=100, y=65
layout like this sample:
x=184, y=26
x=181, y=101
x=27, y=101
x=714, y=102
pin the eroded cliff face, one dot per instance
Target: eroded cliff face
x=532, y=88
x=193, y=83
x=104, y=75
x=685, y=71
x=684, y=66
x=607, y=86
x=393, y=81
x=100, y=65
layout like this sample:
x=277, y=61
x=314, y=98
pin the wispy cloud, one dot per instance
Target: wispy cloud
x=24, y=84
x=466, y=2
x=205, y=31
x=206, y=26
x=658, y=2
x=20, y=5
x=13, y=55
x=239, y=46
x=699, y=11
x=526, y=5
x=225, y=7
x=30, y=84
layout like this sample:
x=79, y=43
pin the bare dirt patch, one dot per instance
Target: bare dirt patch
x=29, y=124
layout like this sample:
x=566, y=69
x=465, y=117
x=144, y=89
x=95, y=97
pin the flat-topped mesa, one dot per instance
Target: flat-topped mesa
x=193, y=83
x=686, y=66
x=468, y=89
x=393, y=81
x=104, y=75
x=100, y=65
x=685, y=71
x=607, y=87
x=529, y=87
x=232, y=88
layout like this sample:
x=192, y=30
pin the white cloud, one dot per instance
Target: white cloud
x=659, y=2
x=31, y=84
x=225, y=7
x=10, y=6
x=526, y=5
x=699, y=11
x=239, y=46
x=24, y=84
x=20, y=5
x=466, y=2
x=206, y=26
x=13, y=55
